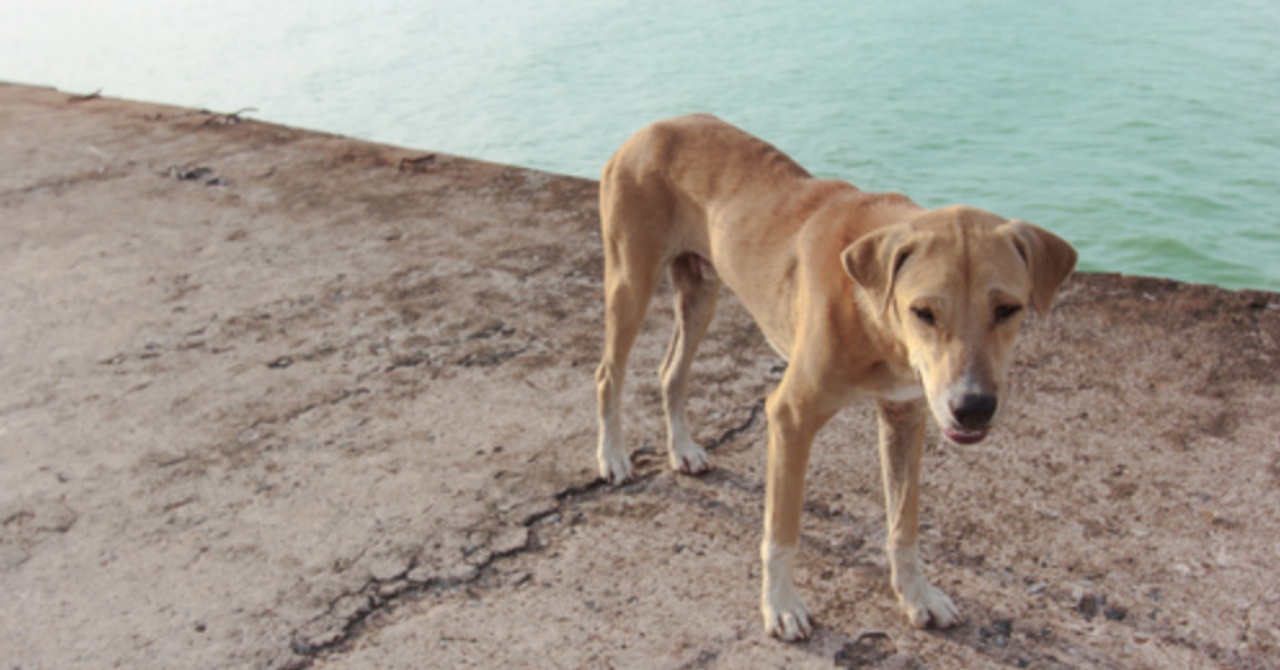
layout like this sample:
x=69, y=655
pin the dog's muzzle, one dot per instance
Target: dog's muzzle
x=972, y=413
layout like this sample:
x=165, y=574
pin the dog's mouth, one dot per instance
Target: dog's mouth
x=964, y=435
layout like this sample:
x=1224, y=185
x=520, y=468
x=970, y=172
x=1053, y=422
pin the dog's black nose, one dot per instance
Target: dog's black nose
x=974, y=410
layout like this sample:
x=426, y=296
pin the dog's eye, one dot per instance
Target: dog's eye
x=1006, y=312
x=924, y=314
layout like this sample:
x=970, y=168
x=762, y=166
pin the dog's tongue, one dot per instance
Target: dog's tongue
x=965, y=437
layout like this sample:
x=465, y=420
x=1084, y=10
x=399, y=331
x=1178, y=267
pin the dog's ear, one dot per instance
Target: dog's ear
x=1049, y=258
x=873, y=261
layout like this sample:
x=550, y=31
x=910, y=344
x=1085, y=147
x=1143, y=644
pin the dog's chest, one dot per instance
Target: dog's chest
x=899, y=392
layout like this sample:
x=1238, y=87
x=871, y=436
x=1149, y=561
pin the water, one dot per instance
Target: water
x=1146, y=132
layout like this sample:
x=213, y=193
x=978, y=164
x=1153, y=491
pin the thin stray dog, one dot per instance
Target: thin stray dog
x=864, y=294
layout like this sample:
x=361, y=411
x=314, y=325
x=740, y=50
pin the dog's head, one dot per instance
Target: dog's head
x=952, y=286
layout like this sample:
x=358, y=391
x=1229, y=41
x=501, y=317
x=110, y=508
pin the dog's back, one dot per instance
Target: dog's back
x=705, y=156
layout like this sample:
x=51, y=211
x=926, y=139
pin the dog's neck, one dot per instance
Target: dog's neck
x=883, y=315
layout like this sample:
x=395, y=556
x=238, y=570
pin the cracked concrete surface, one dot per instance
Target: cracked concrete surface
x=279, y=399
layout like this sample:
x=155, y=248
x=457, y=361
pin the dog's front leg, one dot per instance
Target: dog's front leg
x=902, y=427
x=792, y=427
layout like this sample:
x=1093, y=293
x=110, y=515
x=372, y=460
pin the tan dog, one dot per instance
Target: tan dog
x=865, y=294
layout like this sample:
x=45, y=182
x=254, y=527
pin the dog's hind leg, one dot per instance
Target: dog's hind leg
x=631, y=276
x=696, y=289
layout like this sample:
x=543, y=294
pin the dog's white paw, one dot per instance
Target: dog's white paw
x=926, y=604
x=785, y=616
x=615, y=465
x=689, y=458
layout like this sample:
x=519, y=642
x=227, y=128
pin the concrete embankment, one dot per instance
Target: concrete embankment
x=280, y=399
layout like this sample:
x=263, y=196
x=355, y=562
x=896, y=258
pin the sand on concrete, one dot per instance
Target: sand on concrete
x=280, y=399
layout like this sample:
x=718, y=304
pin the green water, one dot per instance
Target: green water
x=1145, y=132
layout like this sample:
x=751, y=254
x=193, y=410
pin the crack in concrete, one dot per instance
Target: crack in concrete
x=727, y=436
x=59, y=185
x=422, y=354
x=334, y=399
x=381, y=595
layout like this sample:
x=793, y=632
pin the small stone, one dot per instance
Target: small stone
x=1086, y=602
x=460, y=573
x=534, y=511
x=420, y=575
x=995, y=633
x=510, y=540
x=319, y=641
x=477, y=556
x=352, y=606
x=392, y=589
x=1088, y=606
x=56, y=517
x=869, y=650
x=387, y=569
x=549, y=520
x=1115, y=613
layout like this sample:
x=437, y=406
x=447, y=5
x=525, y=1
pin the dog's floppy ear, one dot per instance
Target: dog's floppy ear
x=1050, y=260
x=873, y=261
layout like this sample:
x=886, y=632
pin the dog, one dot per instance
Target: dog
x=865, y=295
